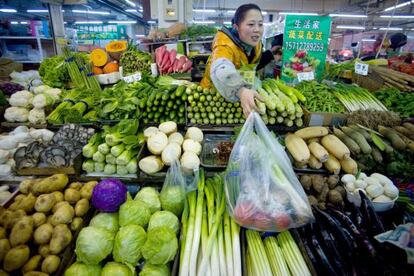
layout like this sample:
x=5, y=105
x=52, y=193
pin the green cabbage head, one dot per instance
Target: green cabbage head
x=155, y=270
x=117, y=269
x=107, y=221
x=150, y=196
x=81, y=269
x=134, y=212
x=161, y=245
x=164, y=218
x=128, y=243
x=94, y=244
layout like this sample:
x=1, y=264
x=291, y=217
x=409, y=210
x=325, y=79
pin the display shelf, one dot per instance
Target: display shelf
x=25, y=37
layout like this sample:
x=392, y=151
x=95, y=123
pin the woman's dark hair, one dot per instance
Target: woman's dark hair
x=241, y=12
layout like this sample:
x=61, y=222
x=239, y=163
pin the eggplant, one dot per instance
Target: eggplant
x=375, y=226
x=310, y=251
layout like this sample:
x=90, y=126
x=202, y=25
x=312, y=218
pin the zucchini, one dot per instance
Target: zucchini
x=359, y=138
x=318, y=152
x=391, y=135
x=332, y=164
x=297, y=148
x=349, y=165
x=335, y=146
x=312, y=132
x=351, y=144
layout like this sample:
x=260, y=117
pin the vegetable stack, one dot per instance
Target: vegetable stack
x=115, y=150
x=316, y=148
x=134, y=60
x=139, y=231
x=49, y=212
x=210, y=239
x=397, y=101
x=355, y=98
x=166, y=145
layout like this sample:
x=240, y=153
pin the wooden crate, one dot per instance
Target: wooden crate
x=47, y=171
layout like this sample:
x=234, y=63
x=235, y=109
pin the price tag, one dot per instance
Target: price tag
x=133, y=78
x=306, y=76
x=361, y=68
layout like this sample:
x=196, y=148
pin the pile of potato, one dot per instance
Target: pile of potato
x=38, y=224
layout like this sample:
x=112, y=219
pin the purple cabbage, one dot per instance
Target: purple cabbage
x=9, y=88
x=108, y=195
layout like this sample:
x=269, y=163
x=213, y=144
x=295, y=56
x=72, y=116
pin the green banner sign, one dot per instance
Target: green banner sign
x=305, y=45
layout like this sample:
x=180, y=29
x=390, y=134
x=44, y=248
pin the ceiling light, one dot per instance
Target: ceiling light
x=130, y=10
x=37, y=11
x=231, y=11
x=8, y=10
x=130, y=3
x=349, y=27
x=204, y=22
x=348, y=15
x=14, y=22
x=391, y=29
x=227, y=22
x=267, y=24
x=399, y=6
x=264, y=12
x=151, y=22
x=204, y=10
x=398, y=16
x=122, y=22
x=368, y=40
x=90, y=12
x=24, y=22
x=88, y=22
x=297, y=13
x=140, y=35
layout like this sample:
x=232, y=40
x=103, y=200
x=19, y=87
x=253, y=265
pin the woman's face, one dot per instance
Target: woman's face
x=251, y=28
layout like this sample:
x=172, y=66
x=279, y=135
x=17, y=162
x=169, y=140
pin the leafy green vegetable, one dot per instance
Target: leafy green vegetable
x=154, y=270
x=80, y=269
x=94, y=244
x=107, y=221
x=397, y=101
x=172, y=199
x=53, y=72
x=161, y=245
x=150, y=196
x=128, y=243
x=113, y=268
x=134, y=212
x=164, y=218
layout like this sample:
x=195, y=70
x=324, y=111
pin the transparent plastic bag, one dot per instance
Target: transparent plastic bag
x=176, y=185
x=262, y=190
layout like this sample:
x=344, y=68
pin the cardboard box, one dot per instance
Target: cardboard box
x=324, y=118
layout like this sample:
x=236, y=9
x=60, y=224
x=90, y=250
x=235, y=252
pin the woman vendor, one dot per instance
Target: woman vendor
x=233, y=48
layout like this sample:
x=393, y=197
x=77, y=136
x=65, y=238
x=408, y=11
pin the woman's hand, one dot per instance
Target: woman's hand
x=247, y=97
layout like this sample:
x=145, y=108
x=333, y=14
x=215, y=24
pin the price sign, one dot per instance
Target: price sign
x=133, y=78
x=306, y=76
x=361, y=68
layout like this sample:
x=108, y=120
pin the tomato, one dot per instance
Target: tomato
x=262, y=221
x=281, y=221
x=244, y=213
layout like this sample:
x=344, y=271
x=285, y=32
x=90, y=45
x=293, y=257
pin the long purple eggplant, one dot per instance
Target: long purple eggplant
x=376, y=227
x=305, y=237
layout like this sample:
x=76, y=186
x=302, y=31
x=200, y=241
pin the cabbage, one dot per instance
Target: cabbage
x=134, y=212
x=172, y=199
x=81, y=269
x=161, y=245
x=117, y=269
x=150, y=196
x=94, y=244
x=107, y=221
x=164, y=218
x=155, y=270
x=128, y=243
x=108, y=195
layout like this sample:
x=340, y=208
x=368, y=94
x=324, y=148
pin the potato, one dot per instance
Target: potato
x=5, y=218
x=58, y=196
x=35, y=273
x=63, y=214
x=86, y=190
x=2, y=233
x=19, y=197
x=76, y=185
x=43, y=233
x=38, y=219
x=56, y=182
x=49, y=219
x=59, y=204
x=26, y=204
x=72, y=195
x=4, y=248
x=16, y=257
x=32, y=264
x=50, y=264
x=3, y=273
x=44, y=203
x=26, y=185
x=9, y=218
x=61, y=238
x=76, y=224
x=22, y=231
x=81, y=207
x=44, y=250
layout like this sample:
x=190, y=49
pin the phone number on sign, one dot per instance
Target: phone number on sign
x=315, y=47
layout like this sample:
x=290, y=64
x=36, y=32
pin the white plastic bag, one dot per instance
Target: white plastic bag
x=262, y=190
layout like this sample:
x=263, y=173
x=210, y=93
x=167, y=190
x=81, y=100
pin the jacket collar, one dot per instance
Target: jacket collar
x=250, y=55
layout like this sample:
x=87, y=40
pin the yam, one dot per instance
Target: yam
x=63, y=214
x=43, y=233
x=56, y=182
x=32, y=264
x=38, y=219
x=341, y=190
x=61, y=238
x=16, y=257
x=4, y=248
x=58, y=196
x=44, y=250
x=44, y=203
x=72, y=196
x=50, y=264
x=76, y=224
x=335, y=197
x=22, y=231
x=81, y=207
x=75, y=185
x=335, y=146
x=333, y=181
x=317, y=182
x=306, y=181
